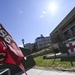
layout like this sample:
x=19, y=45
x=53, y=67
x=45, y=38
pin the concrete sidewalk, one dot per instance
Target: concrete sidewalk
x=46, y=72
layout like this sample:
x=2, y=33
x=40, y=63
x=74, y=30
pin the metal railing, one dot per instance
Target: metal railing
x=3, y=71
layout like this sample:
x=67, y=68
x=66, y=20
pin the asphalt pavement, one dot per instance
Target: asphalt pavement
x=46, y=72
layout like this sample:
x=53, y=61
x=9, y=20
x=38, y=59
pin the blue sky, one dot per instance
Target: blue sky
x=29, y=18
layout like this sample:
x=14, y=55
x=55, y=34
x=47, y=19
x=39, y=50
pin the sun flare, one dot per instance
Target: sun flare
x=53, y=8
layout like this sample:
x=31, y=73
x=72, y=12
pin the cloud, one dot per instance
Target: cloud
x=44, y=12
x=41, y=16
x=20, y=12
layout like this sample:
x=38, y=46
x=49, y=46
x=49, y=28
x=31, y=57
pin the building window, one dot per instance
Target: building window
x=73, y=30
x=67, y=34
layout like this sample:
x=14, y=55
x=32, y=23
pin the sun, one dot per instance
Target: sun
x=53, y=7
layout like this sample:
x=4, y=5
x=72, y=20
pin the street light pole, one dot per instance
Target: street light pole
x=23, y=42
